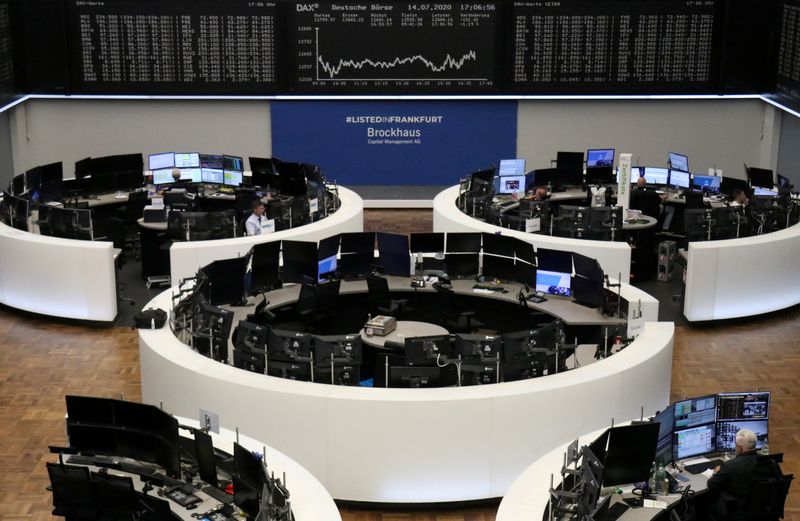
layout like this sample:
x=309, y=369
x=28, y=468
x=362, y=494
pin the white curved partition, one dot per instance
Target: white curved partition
x=57, y=277
x=188, y=257
x=614, y=257
x=743, y=277
x=310, y=501
x=410, y=445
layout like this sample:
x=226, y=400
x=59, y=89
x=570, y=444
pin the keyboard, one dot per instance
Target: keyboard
x=219, y=495
x=699, y=468
x=615, y=511
x=487, y=287
x=182, y=498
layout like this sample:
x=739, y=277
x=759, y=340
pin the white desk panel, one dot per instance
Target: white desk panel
x=187, y=257
x=410, y=445
x=57, y=277
x=743, y=277
x=614, y=257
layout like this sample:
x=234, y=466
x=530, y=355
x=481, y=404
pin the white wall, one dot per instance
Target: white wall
x=725, y=132
x=44, y=131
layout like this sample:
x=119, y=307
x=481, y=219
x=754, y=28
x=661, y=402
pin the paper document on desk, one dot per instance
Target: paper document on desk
x=479, y=290
x=649, y=503
x=708, y=473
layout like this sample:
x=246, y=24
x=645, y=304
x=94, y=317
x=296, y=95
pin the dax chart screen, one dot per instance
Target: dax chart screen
x=393, y=46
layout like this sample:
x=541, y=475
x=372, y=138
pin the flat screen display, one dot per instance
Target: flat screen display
x=597, y=158
x=326, y=268
x=211, y=175
x=764, y=191
x=679, y=179
x=163, y=176
x=512, y=167
x=159, y=161
x=695, y=411
x=191, y=174
x=743, y=406
x=554, y=283
x=232, y=177
x=232, y=163
x=678, y=162
x=706, y=182
x=694, y=441
x=654, y=176
x=211, y=161
x=511, y=184
x=187, y=160
x=726, y=433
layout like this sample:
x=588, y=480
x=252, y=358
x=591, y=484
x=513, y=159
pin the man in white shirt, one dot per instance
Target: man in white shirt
x=256, y=219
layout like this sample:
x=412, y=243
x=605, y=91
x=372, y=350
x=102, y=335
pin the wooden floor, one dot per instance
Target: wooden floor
x=41, y=360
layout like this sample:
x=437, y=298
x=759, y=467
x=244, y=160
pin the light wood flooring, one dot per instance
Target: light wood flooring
x=43, y=359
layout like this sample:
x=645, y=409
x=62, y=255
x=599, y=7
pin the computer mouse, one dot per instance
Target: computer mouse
x=191, y=507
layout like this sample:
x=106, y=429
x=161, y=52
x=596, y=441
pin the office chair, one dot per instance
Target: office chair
x=694, y=200
x=72, y=491
x=115, y=497
x=317, y=303
x=453, y=318
x=123, y=225
x=380, y=299
x=648, y=201
x=766, y=497
x=43, y=221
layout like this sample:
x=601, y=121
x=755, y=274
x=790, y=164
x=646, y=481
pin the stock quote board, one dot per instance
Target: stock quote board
x=395, y=46
x=202, y=46
x=625, y=47
x=788, y=74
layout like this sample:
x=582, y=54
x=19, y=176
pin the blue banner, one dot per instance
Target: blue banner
x=395, y=142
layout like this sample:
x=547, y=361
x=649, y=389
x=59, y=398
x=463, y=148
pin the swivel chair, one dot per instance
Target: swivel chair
x=766, y=497
x=380, y=298
x=648, y=201
x=317, y=303
x=453, y=318
x=72, y=491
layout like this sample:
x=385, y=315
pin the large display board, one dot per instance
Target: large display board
x=390, y=46
x=615, y=46
x=6, y=60
x=173, y=46
x=788, y=74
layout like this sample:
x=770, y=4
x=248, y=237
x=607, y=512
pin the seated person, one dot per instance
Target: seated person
x=180, y=184
x=641, y=199
x=731, y=480
x=739, y=198
x=539, y=194
x=256, y=222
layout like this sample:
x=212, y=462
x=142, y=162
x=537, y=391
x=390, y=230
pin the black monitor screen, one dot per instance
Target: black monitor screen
x=743, y=406
x=427, y=242
x=83, y=168
x=463, y=242
x=728, y=184
x=361, y=242
x=211, y=161
x=760, y=177
x=18, y=184
x=461, y=264
x=328, y=247
x=497, y=244
x=570, y=167
x=423, y=350
x=499, y=267
x=585, y=266
x=695, y=411
x=598, y=447
x=265, y=266
x=554, y=260
x=299, y=262
x=631, y=450
x=33, y=179
x=600, y=175
x=206, y=465
x=227, y=279
x=414, y=376
x=484, y=175
x=394, y=256
x=524, y=250
x=88, y=409
x=665, y=421
x=260, y=164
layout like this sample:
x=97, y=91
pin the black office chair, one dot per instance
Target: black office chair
x=648, y=201
x=124, y=233
x=72, y=491
x=452, y=317
x=380, y=299
x=766, y=497
x=115, y=498
x=694, y=200
x=317, y=304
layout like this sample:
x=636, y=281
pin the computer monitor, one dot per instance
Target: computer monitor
x=300, y=263
x=299, y=371
x=599, y=446
x=249, y=478
x=589, y=291
x=486, y=176
x=83, y=168
x=665, y=420
x=554, y=260
x=678, y=162
x=52, y=173
x=212, y=161
x=163, y=177
x=497, y=267
x=159, y=161
x=664, y=450
x=765, y=192
x=232, y=163
x=554, y=282
x=600, y=176
x=630, y=454
x=212, y=175
x=232, y=177
x=654, y=176
x=204, y=452
x=599, y=158
x=192, y=174
x=743, y=406
x=187, y=159
x=726, y=433
x=709, y=183
x=511, y=184
x=288, y=346
x=477, y=346
x=33, y=179
x=424, y=350
x=18, y=185
x=783, y=181
x=760, y=177
x=426, y=242
x=414, y=376
x=265, y=270
x=693, y=441
x=326, y=269
x=393, y=254
x=511, y=167
x=463, y=242
x=679, y=179
x=226, y=279
x=497, y=244
x=358, y=242
x=695, y=411
x=261, y=164
x=341, y=349
x=570, y=167
x=461, y=264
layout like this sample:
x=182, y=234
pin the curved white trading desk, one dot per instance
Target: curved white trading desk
x=614, y=257
x=410, y=445
x=57, y=277
x=310, y=501
x=527, y=498
x=743, y=277
x=188, y=257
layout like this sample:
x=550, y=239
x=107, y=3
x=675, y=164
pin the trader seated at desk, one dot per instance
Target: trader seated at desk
x=731, y=480
x=539, y=194
x=256, y=223
x=180, y=184
x=643, y=199
x=739, y=198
